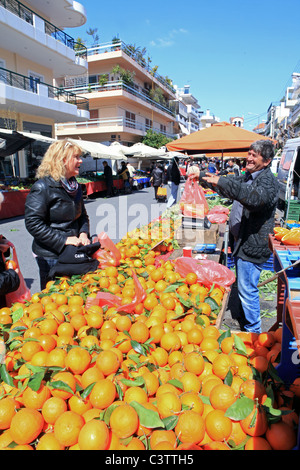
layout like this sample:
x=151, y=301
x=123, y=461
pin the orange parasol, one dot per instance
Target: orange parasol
x=221, y=138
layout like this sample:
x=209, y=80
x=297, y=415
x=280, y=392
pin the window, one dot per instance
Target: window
x=148, y=123
x=163, y=129
x=35, y=78
x=94, y=113
x=93, y=79
x=286, y=159
x=130, y=119
x=3, y=76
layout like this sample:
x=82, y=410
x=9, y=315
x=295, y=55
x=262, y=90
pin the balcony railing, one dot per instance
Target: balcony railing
x=26, y=14
x=98, y=124
x=32, y=85
x=119, y=85
x=132, y=52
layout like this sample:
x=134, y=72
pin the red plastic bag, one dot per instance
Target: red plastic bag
x=193, y=202
x=208, y=272
x=112, y=300
x=22, y=294
x=217, y=218
x=108, y=254
x=218, y=214
x=219, y=210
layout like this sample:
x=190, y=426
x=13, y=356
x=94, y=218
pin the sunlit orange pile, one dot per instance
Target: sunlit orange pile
x=163, y=377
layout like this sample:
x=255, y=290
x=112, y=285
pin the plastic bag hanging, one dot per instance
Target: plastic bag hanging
x=22, y=294
x=193, y=202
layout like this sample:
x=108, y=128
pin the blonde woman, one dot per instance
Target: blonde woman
x=55, y=214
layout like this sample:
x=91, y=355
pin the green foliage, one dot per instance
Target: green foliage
x=155, y=139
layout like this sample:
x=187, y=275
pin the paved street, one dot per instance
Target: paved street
x=116, y=216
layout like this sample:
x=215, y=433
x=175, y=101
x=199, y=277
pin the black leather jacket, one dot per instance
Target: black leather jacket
x=158, y=176
x=259, y=201
x=52, y=215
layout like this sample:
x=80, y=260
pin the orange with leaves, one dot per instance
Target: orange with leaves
x=26, y=425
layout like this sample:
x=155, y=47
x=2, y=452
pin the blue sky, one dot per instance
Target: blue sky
x=236, y=55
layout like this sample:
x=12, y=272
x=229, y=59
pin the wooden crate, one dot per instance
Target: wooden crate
x=190, y=237
x=223, y=309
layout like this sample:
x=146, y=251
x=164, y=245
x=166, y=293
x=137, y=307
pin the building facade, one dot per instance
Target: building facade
x=126, y=97
x=188, y=113
x=35, y=56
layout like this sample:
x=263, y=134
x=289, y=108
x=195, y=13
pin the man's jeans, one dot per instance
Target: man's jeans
x=247, y=279
x=173, y=196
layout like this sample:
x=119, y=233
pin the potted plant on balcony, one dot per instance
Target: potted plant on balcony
x=103, y=79
x=116, y=40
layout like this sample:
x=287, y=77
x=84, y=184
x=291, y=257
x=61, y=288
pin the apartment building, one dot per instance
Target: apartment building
x=208, y=119
x=187, y=111
x=35, y=56
x=126, y=97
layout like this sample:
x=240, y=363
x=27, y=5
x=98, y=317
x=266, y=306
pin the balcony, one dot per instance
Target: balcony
x=134, y=54
x=41, y=99
x=25, y=32
x=110, y=125
x=120, y=86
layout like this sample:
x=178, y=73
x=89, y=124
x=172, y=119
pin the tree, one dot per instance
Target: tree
x=93, y=33
x=155, y=139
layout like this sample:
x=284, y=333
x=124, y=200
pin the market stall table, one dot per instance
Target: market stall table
x=13, y=204
x=98, y=186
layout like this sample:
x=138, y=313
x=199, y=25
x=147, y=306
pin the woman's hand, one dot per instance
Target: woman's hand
x=77, y=241
x=73, y=241
x=84, y=239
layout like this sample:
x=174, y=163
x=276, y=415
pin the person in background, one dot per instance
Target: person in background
x=108, y=179
x=55, y=214
x=131, y=170
x=173, y=175
x=157, y=178
x=233, y=167
x=211, y=166
x=9, y=278
x=251, y=220
x=124, y=173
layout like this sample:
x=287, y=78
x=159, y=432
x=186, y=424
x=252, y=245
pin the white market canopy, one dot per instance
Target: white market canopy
x=140, y=150
x=97, y=150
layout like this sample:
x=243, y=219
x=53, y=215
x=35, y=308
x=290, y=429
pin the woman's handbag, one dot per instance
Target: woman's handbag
x=75, y=260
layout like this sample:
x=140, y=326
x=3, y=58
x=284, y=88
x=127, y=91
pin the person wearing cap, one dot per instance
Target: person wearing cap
x=55, y=214
x=251, y=220
x=9, y=278
x=108, y=179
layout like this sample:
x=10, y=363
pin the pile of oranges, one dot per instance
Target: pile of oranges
x=77, y=376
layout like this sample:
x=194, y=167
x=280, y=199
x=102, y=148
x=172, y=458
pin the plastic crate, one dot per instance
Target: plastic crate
x=267, y=266
x=293, y=209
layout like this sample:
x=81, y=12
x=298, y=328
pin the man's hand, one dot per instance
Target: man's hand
x=211, y=178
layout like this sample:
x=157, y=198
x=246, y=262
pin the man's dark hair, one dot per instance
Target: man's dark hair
x=265, y=148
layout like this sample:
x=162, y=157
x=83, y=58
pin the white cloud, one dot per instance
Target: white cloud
x=169, y=39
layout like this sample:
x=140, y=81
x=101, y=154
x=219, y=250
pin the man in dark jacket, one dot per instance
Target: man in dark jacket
x=157, y=178
x=255, y=197
x=174, y=177
x=108, y=179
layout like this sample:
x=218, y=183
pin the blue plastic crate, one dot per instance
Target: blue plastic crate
x=267, y=266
